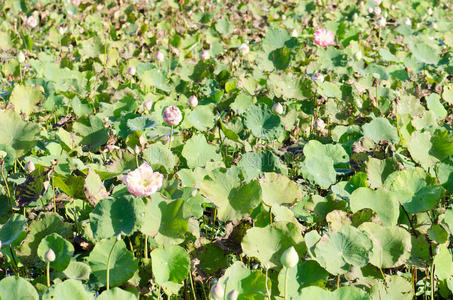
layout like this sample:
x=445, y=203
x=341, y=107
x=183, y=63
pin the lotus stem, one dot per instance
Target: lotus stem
x=108, y=264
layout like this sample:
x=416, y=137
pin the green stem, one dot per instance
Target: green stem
x=267, y=287
x=191, y=284
x=108, y=264
x=146, y=247
x=171, y=135
x=16, y=268
x=7, y=188
x=48, y=273
x=286, y=284
x=54, y=201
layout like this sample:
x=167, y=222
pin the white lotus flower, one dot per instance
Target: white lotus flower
x=31, y=21
x=244, y=49
x=204, y=54
x=143, y=181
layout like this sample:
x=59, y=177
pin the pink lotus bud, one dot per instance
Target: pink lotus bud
x=217, y=292
x=193, y=101
x=143, y=181
x=317, y=77
x=277, y=108
x=50, y=255
x=392, y=7
x=76, y=2
x=204, y=54
x=370, y=10
x=31, y=21
x=131, y=71
x=30, y=166
x=172, y=115
x=148, y=104
x=378, y=2
x=324, y=37
x=160, y=56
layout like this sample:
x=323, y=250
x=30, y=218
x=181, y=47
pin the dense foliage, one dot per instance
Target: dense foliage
x=226, y=149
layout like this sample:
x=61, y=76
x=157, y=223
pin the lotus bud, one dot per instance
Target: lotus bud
x=204, y=55
x=194, y=192
x=3, y=154
x=50, y=255
x=378, y=2
x=382, y=22
x=244, y=49
x=20, y=57
x=370, y=10
x=392, y=7
x=131, y=71
x=317, y=77
x=289, y=258
x=294, y=33
x=377, y=10
x=160, y=56
x=358, y=55
x=233, y=295
x=30, y=166
x=277, y=108
x=76, y=2
x=430, y=11
x=192, y=101
x=408, y=22
x=148, y=104
x=118, y=237
x=217, y=292
x=172, y=115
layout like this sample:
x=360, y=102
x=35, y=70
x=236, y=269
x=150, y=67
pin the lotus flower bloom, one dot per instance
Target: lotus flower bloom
x=172, y=115
x=217, y=292
x=324, y=37
x=31, y=21
x=244, y=49
x=377, y=10
x=143, y=181
x=204, y=55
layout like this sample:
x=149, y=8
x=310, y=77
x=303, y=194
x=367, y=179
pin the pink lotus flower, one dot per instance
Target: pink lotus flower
x=324, y=37
x=172, y=115
x=143, y=181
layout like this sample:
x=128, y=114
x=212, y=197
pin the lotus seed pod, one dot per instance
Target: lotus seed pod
x=204, y=54
x=289, y=258
x=217, y=292
x=233, y=295
x=148, y=104
x=358, y=55
x=277, y=108
x=30, y=166
x=131, y=71
x=244, y=49
x=50, y=255
x=192, y=101
x=20, y=57
x=160, y=56
x=172, y=115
